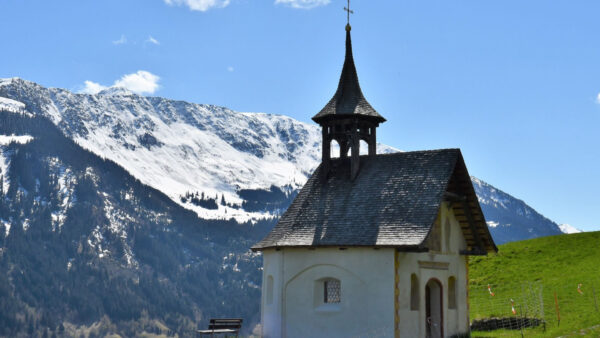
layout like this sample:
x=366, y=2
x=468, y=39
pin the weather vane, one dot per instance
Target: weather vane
x=347, y=9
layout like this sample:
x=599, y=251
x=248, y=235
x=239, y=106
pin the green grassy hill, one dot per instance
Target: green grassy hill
x=531, y=273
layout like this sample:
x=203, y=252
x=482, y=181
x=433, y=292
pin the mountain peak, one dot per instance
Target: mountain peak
x=10, y=80
x=568, y=229
x=116, y=91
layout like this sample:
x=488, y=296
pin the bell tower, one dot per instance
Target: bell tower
x=348, y=118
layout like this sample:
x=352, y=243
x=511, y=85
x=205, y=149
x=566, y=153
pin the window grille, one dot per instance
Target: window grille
x=332, y=291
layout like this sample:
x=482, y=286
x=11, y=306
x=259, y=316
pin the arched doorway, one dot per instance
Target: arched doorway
x=434, y=309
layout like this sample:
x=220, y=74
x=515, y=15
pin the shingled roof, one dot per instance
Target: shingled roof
x=348, y=99
x=393, y=202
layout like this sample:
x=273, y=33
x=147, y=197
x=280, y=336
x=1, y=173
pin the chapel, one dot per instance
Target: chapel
x=374, y=245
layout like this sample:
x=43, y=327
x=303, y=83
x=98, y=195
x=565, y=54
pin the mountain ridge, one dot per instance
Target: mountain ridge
x=179, y=147
x=209, y=159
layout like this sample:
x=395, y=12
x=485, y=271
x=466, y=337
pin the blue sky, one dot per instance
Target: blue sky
x=514, y=84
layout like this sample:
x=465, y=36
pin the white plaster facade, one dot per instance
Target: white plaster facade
x=375, y=297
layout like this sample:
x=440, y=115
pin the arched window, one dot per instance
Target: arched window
x=452, y=292
x=334, y=149
x=332, y=291
x=269, y=290
x=435, y=236
x=447, y=234
x=414, y=292
x=364, y=147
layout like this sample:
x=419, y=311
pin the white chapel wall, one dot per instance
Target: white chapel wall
x=441, y=266
x=292, y=306
x=366, y=308
x=271, y=310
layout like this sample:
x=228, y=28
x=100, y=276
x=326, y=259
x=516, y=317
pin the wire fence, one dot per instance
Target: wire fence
x=531, y=309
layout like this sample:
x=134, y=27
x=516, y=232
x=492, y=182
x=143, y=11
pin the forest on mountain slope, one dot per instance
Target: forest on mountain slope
x=119, y=253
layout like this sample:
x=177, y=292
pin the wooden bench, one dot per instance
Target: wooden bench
x=224, y=326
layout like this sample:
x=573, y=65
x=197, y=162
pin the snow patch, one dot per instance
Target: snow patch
x=7, y=81
x=4, y=164
x=117, y=219
x=116, y=91
x=192, y=156
x=11, y=105
x=492, y=224
x=6, y=226
x=131, y=261
x=66, y=196
x=8, y=139
x=95, y=240
x=568, y=229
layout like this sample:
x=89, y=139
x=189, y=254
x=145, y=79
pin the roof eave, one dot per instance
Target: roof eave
x=401, y=248
x=329, y=117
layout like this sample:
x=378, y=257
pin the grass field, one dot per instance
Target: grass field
x=531, y=273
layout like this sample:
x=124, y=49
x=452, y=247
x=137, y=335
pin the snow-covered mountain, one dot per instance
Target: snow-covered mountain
x=182, y=148
x=568, y=229
x=510, y=219
x=217, y=162
x=84, y=243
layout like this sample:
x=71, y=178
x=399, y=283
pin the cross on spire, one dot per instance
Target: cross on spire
x=347, y=9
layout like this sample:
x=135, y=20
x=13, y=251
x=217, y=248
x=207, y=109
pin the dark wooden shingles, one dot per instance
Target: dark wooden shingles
x=393, y=202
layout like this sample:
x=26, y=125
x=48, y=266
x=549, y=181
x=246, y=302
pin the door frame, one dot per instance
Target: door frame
x=428, y=304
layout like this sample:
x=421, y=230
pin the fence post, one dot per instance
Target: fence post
x=557, y=309
x=522, y=323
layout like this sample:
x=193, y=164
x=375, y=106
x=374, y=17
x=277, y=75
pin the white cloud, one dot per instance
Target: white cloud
x=303, y=4
x=230, y=69
x=199, y=5
x=152, y=40
x=598, y=98
x=121, y=41
x=140, y=82
x=91, y=88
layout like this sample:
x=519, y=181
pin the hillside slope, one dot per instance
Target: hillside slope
x=568, y=265
x=82, y=241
